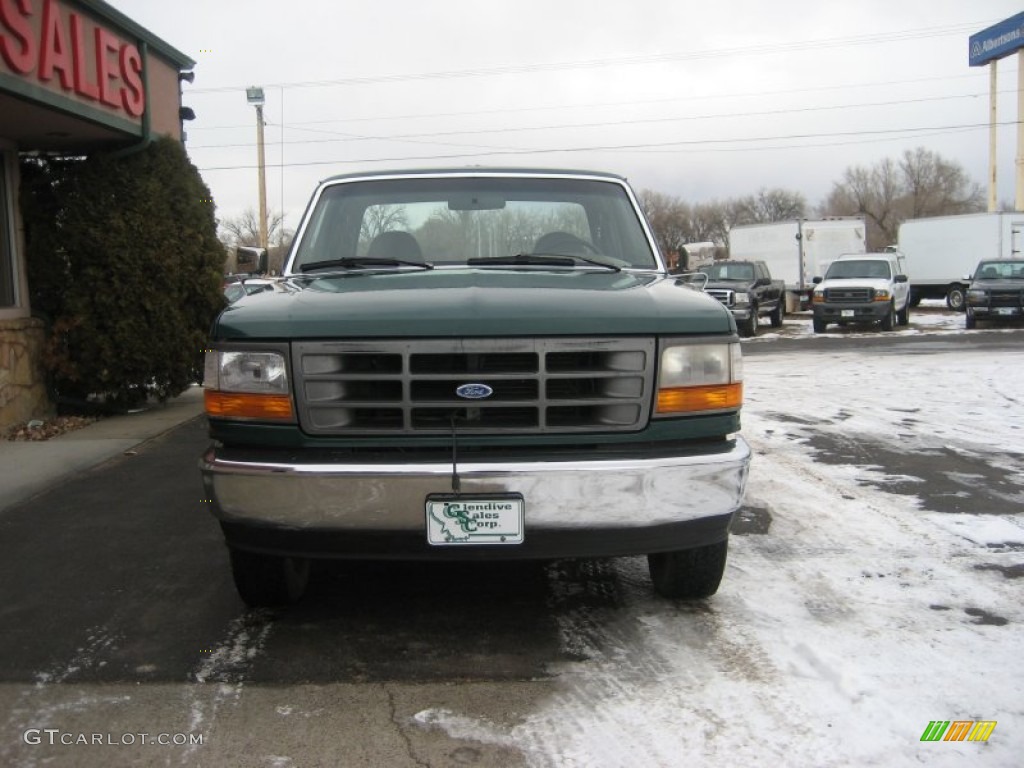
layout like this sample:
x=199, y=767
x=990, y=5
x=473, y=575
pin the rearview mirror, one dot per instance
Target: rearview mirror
x=471, y=201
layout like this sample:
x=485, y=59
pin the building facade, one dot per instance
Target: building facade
x=76, y=76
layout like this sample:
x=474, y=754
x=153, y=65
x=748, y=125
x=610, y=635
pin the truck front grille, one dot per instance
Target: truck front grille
x=537, y=385
x=724, y=295
x=1006, y=298
x=849, y=294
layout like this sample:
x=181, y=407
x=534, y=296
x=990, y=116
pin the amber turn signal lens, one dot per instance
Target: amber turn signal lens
x=232, y=405
x=708, y=398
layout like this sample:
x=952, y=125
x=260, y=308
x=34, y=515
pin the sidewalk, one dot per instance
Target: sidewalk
x=27, y=468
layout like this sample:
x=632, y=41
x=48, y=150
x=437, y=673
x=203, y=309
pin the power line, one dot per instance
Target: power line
x=347, y=137
x=604, y=104
x=658, y=58
x=705, y=145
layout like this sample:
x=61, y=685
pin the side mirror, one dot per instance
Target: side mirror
x=901, y=279
x=816, y=280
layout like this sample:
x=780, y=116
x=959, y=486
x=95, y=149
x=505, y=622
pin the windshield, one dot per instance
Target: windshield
x=1000, y=270
x=455, y=221
x=729, y=271
x=858, y=268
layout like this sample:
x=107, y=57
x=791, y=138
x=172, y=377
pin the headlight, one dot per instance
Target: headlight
x=882, y=295
x=818, y=297
x=977, y=296
x=247, y=384
x=699, y=377
x=741, y=298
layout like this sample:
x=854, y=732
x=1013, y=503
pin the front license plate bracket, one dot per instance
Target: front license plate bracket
x=467, y=519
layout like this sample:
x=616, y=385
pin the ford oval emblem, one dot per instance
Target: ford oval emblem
x=474, y=391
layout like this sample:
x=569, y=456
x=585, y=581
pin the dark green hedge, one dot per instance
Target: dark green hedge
x=124, y=261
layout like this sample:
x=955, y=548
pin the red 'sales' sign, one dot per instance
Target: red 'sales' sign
x=61, y=49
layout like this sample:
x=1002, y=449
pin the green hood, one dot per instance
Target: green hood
x=476, y=302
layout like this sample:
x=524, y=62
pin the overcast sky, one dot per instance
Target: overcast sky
x=701, y=100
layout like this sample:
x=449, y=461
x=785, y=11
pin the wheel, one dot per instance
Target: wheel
x=819, y=325
x=748, y=327
x=689, y=573
x=889, y=321
x=956, y=298
x=903, y=315
x=915, y=298
x=778, y=313
x=970, y=321
x=268, y=580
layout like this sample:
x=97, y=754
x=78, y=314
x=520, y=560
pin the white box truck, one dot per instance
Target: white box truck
x=943, y=251
x=798, y=250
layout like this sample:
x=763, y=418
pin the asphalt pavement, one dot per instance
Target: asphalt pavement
x=28, y=468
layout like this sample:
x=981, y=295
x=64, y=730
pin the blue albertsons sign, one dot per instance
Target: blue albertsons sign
x=997, y=41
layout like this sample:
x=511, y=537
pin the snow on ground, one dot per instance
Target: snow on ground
x=931, y=317
x=838, y=635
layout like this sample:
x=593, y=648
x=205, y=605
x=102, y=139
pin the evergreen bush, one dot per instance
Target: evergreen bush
x=124, y=261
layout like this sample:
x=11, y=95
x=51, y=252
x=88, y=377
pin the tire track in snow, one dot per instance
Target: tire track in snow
x=635, y=693
x=31, y=709
x=220, y=677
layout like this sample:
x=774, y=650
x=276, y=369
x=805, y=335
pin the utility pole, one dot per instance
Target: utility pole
x=254, y=95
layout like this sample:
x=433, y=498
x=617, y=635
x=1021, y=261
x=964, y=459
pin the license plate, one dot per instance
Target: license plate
x=1005, y=311
x=483, y=519
x=846, y=313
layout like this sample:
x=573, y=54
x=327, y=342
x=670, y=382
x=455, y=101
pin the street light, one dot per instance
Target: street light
x=254, y=95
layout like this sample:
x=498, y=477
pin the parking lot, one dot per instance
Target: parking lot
x=873, y=586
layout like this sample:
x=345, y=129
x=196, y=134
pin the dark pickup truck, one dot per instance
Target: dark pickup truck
x=996, y=292
x=747, y=289
x=477, y=365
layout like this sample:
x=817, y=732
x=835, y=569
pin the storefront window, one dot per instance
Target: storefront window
x=7, y=292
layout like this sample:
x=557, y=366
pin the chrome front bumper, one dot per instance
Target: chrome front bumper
x=613, y=494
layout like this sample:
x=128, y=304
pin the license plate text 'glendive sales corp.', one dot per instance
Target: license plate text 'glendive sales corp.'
x=453, y=520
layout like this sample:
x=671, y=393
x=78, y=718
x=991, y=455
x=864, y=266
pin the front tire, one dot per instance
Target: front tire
x=778, y=313
x=903, y=315
x=689, y=574
x=749, y=326
x=970, y=320
x=819, y=325
x=889, y=321
x=267, y=581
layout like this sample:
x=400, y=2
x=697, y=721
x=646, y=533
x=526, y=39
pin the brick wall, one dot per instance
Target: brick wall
x=22, y=384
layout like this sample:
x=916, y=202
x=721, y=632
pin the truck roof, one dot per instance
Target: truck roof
x=477, y=171
x=877, y=256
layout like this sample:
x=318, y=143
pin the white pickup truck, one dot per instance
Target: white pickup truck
x=863, y=288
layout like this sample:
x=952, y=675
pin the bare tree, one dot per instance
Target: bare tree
x=244, y=229
x=769, y=205
x=709, y=222
x=876, y=194
x=670, y=220
x=381, y=218
x=937, y=187
x=921, y=183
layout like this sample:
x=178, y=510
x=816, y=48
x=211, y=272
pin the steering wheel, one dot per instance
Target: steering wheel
x=564, y=244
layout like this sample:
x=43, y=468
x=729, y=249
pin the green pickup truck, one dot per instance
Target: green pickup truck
x=474, y=364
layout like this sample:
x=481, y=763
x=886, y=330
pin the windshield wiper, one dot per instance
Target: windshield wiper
x=541, y=259
x=362, y=263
